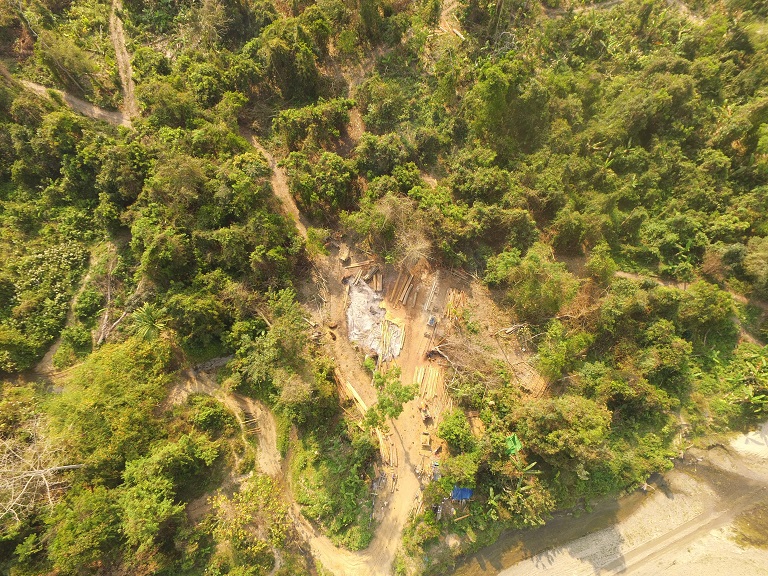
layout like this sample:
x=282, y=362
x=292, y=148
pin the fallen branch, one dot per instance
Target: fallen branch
x=130, y=304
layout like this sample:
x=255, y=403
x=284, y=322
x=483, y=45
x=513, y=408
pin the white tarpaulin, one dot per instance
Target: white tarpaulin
x=367, y=323
x=364, y=316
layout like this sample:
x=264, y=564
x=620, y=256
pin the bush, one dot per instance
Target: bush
x=88, y=304
x=316, y=125
x=209, y=415
x=455, y=430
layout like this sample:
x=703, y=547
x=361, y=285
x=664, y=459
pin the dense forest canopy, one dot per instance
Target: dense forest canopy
x=602, y=169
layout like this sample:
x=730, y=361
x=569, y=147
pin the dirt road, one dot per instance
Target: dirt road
x=678, y=5
x=116, y=32
x=377, y=559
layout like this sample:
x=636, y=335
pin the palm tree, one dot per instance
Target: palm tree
x=149, y=321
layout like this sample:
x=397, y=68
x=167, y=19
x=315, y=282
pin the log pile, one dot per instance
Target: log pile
x=366, y=270
x=403, y=288
x=432, y=293
x=454, y=304
x=428, y=379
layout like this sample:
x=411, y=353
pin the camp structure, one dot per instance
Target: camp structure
x=461, y=494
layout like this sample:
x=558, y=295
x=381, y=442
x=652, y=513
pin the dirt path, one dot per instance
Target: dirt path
x=116, y=32
x=576, y=266
x=80, y=106
x=393, y=509
x=45, y=366
x=448, y=21
x=376, y=560
x=678, y=5
x=685, y=285
x=279, y=184
x=198, y=381
x=559, y=12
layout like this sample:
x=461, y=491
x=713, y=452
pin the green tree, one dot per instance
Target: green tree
x=454, y=429
x=461, y=469
x=600, y=264
x=84, y=531
x=566, y=431
x=704, y=307
x=539, y=286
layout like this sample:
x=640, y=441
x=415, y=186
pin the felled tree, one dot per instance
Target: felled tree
x=31, y=471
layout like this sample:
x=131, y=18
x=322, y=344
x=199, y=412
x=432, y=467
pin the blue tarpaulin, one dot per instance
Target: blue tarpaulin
x=461, y=494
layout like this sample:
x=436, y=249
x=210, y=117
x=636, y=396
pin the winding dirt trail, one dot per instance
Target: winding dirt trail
x=678, y=5
x=78, y=105
x=45, y=366
x=378, y=558
x=685, y=285
x=114, y=117
x=279, y=184
x=116, y=32
x=198, y=381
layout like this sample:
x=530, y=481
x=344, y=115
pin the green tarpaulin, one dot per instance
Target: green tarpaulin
x=513, y=444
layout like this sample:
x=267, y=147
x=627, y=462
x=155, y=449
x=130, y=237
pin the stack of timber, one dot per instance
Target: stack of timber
x=391, y=342
x=428, y=379
x=374, y=277
x=455, y=302
x=432, y=292
x=402, y=289
x=378, y=282
x=363, y=270
x=462, y=274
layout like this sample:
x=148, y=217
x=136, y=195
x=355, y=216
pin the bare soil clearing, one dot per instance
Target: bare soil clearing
x=424, y=303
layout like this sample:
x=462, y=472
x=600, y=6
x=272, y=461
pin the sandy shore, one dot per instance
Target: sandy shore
x=684, y=527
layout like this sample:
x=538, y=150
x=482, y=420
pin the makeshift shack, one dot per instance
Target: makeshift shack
x=461, y=494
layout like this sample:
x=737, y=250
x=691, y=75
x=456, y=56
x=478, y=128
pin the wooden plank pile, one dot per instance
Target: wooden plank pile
x=432, y=292
x=454, y=304
x=384, y=447
x=428, y=379
x=371, y=274
x=391, y=343
x=402, y=289
x=375, y=278
x=251, y=422
x=358, y=264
